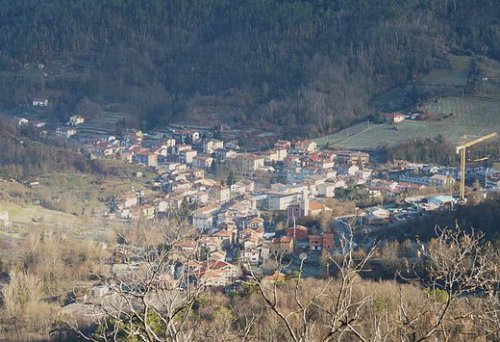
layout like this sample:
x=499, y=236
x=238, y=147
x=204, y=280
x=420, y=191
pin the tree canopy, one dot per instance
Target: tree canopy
x=313, y=64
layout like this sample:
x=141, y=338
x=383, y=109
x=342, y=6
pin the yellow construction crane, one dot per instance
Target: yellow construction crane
x=462, y=149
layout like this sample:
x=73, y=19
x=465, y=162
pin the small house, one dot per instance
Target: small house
x=298, y=232
x=321, y=242
x=281, y=246
x=76, y=120
x=22, y=122
x=441, y=180
x=394, y=117
x=305, y=146
x=65, y=132
x=211, y=145
x=40, y=102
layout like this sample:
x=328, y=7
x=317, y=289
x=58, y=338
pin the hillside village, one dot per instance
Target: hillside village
x=251, y=213
x=247, y=206
x=250, y=170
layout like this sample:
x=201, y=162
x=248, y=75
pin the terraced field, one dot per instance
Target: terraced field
x=451, y=116
x=471, y=116
x=106, y=124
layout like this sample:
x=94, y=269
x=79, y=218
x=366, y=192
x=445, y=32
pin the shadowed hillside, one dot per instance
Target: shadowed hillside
x=314, y=64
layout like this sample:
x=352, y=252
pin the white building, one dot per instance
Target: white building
x=441, y=180
x=219, y=193
x=187, y=156
x=326, y=189
x=40, y=102
x=23, y=122
x=211, y=145
x=245, y=163
x=244, y=186
x=279, y=201
x=65, y=132
x=203, y=218
x=76, y=120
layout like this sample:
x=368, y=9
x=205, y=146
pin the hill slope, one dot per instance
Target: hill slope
x=304, y=64
x=462, y=99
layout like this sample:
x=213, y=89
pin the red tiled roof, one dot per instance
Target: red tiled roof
x=217, y=264
x=284, y=239
x=313, y=206
x=223, y=233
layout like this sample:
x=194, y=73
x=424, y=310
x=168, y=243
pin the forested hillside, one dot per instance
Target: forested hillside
x=309, y=63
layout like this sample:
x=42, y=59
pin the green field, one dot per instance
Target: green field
x=68, y=194
x=25, y=219
x=84, y=194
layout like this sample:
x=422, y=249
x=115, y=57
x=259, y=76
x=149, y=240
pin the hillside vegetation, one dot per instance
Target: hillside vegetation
x=314, y=64
x=27, y=155
x=462, y=99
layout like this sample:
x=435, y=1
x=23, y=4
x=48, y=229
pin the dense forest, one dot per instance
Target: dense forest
x=314, y=64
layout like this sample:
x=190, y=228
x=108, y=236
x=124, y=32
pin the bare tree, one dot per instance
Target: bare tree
x=151, y=295
x=459, y=286
x=458, y=265
x=338, y=317
x=23, y=312
x=157, y=296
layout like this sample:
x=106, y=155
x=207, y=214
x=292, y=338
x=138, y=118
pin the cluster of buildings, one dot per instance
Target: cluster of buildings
x=444, y=176
x=236, y=218
x=411, y=177
x=61, y=131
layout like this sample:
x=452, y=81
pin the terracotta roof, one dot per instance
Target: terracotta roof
x=284, y=239
x=185, y=244
x=223, y=233
x=211, y=274
x=313, y=206
x=217, y=264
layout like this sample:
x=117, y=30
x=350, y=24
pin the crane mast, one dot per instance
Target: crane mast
x=461, y=149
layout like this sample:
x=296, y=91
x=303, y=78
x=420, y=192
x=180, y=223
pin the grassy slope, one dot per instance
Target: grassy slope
x=37, y=215
x=67, y=195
